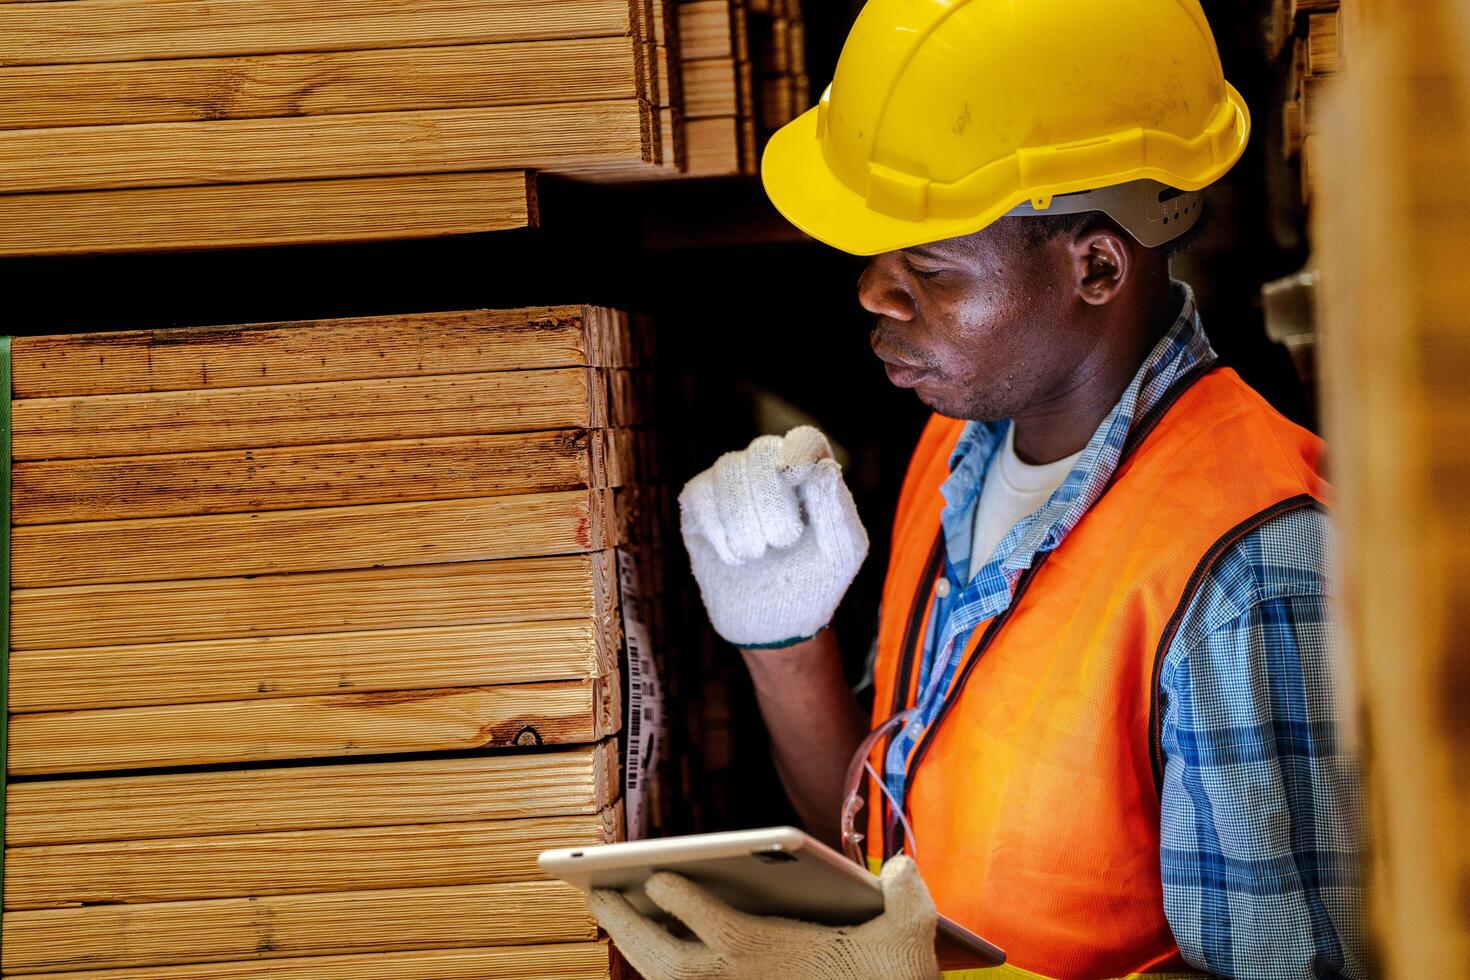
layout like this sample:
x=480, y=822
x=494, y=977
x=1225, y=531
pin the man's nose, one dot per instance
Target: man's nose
x=880, y=292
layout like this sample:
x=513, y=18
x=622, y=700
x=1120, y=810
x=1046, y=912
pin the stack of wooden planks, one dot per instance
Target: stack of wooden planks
x=1391, y=228
x=740, y=61
x=1316, y=57
x=276, y=590
x=133, y=125
x=128, y=125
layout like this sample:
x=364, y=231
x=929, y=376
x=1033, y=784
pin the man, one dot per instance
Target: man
x=1103, y=647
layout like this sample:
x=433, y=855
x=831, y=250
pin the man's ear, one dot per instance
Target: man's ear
x=1102, y=260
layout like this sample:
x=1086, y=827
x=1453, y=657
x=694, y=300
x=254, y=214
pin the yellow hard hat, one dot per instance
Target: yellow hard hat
x=944, y=115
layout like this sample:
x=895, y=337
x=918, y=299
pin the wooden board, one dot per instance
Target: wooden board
x=1324, y=50
x=518, y=590
x=714, y=146
x=176, y=484
x=329, y=726
x=557, y=961
x=354, y=348
x=295, y=862
x=706, y=30
x=138, y=30
x=272, y=213
x=709, y=88
x=314, y=413
x=293, y=925
x=580, y=780
x=294, y=666
x=319, y=83
x=579, y=138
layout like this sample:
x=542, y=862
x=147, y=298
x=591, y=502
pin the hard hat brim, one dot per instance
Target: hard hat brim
x=807, y=193
x=803, y=188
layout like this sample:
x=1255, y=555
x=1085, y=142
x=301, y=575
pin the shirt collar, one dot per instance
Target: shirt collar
x=1182, y=348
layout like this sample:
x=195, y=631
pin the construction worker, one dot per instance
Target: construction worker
x=1105, y=724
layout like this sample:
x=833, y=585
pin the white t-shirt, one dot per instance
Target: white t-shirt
x=1012, y=490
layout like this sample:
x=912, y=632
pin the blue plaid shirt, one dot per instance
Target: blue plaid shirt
x=1260, y=801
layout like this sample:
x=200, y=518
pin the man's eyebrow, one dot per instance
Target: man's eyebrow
x=924, y=251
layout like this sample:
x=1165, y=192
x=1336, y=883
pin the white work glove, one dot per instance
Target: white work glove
x=897, y=945
x=774, y=538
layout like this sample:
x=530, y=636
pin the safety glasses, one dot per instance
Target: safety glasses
x=859, y=771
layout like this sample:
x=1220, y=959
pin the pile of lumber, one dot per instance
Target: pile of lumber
x=1317, y=56
x=128, y=125
x=743, y=72
x=1390, y=227
x=315, y=644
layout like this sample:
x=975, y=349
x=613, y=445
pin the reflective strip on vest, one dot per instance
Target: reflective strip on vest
x=1034, y=797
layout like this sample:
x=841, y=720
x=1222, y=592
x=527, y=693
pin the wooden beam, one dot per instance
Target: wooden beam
x=315, y=413
x=714, y=146
x=138, y=30
x=293, y=666
x=575, y=137
x=1324, y=43
x=348, y=349
x=295, y=862
x=280, y=478
x=270, y=213
x=559, y=961
x=319, y=83
x=293, y=925
x=518, y=590
x=330, y=726
x=154, y=549
x=580, y=780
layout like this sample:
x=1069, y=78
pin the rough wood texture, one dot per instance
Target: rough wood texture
x=574, y=137
x=295, y=862
x=295, y=352
x=178, y=484
x=714, y=146
x=1390, y=232
x=330, y=726
x=706, y=30
x=319, y=83
x=155, y=549
x=293, y=925
x=307, y=414
x=559, y=961
x=295, y=666
x=1324, y=49
x=137, y=30
x=518, y=590
x=284, y=212
x=709, y=88
x=581, y=780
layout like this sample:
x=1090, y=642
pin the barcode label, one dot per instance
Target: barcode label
x=645, y=703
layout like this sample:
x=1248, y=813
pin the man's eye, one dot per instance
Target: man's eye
x=923, y=273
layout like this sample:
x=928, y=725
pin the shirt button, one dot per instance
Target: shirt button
x=941, y=588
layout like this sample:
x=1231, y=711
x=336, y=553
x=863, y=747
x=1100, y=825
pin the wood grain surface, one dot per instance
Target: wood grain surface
x=271, y=542
x=463, y=593
x=269, y=213
x=295, y=862
x=301, y=351
x=312, y=413
x=137, y=30
x=293, y=925
x=327, y=663
x=580, y=780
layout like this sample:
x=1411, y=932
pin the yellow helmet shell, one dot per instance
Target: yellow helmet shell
x=945, y=114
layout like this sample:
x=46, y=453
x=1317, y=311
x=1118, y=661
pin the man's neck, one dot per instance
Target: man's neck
x=1063, y=424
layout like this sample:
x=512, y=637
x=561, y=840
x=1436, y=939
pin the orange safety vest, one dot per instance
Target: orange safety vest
x=1034, y=796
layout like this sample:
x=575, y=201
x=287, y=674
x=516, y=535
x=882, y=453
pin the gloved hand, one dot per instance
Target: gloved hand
x=897, y=945
x=774, y=538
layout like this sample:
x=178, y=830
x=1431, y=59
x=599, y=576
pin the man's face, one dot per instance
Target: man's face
x=979, y=325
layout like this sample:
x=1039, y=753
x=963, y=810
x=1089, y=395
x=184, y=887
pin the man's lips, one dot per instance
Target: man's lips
x=902, y=373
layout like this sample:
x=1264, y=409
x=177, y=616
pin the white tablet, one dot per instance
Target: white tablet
x=775, y=871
